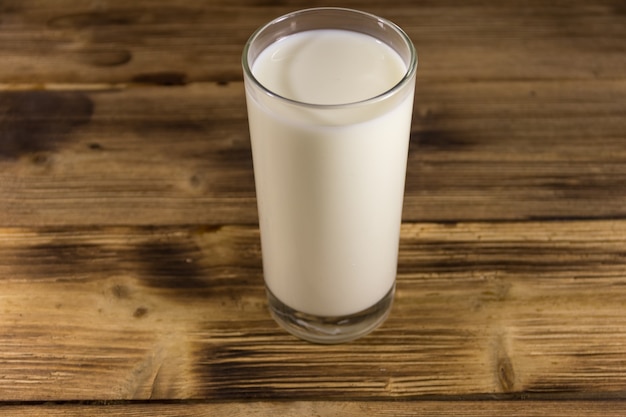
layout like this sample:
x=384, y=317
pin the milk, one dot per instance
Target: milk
x=329, y=178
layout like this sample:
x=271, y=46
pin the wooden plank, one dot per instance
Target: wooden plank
x=141, y=156
x=328, y=408
x=532, y=310
x=168, y=42
x=111, y=157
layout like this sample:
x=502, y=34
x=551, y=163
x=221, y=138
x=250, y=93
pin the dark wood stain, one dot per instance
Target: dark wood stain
x=258, y=375
x=437, y=140
x=99, y=57
x=172, y=265
x=164, y=79
x=177, y=268
x=236, y=372
x=619, y=9
x=39, y=121
x=91, y=19
x=127, y=15
x=521, y=257
x=273, y=364
x=64, y=255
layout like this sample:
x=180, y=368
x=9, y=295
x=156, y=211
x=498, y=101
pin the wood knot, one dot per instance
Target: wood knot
x=120, y=292
x=506, y=374
x=140, y=312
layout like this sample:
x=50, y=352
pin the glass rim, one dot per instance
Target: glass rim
x=407, y=77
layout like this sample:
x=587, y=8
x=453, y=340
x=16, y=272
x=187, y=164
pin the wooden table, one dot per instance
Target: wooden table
x=131, y=279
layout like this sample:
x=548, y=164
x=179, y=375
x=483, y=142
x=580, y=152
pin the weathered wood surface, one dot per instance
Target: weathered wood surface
x=129, y=250
x=174, y=42
x=159, y=313
x=333, y=408
x=479, y=151
x=520, y=111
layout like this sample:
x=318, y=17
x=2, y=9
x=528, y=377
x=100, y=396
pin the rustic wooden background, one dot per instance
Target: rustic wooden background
x=130, y=272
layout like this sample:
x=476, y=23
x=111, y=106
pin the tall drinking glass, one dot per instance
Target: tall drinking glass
x=329, y=93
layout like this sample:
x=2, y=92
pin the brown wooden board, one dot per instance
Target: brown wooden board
x=180, y=313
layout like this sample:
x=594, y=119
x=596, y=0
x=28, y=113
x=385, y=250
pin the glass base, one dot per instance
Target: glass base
x=330, y=330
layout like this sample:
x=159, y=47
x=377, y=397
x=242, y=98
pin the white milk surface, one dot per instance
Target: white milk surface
x=329, y=181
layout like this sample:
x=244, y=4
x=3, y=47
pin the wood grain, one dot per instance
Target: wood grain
x=172, y=42
x=510, y=150
x=113, y=114
x=531, y=310
x=330, y=408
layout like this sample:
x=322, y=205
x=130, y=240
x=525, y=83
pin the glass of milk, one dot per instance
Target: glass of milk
x=329, y=93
